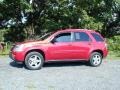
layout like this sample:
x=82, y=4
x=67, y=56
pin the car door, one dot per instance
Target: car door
x=81, y=45
x=60, y=48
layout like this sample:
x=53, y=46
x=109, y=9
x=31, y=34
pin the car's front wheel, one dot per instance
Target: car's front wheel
x=34, y=61
x=95, y=59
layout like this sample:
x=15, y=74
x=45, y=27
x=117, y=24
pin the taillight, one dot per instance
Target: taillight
x=106, y=45
x=105, y=40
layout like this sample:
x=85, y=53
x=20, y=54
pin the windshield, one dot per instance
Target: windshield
x=45, y=36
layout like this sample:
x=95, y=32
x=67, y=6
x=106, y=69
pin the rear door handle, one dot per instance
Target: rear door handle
x=89, y=44
x=69, y=45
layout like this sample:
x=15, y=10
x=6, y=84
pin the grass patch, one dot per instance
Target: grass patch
x=113, y=55
x=4, y=52
x=114, y=47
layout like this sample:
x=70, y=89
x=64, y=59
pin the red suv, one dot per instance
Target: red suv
x=64, y=45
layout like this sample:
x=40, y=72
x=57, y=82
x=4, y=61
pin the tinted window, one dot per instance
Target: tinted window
x=64, y=37
x=97, y=37
x=81, y=36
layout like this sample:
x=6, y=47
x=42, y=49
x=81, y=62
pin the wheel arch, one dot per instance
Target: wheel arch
x=99, y=51
x=36, y=50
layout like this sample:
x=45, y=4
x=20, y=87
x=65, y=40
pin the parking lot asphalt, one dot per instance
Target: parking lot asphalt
x=60, y=76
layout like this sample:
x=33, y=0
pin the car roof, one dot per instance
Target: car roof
x=75, y=30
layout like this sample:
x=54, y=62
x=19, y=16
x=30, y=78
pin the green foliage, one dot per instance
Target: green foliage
x=51, y=15
x=2, y=32
x=6, y=50
x=17, y=33
x=114, y=43
x=90, y=22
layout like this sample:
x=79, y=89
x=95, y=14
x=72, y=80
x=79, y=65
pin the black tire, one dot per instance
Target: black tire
x=95, y=59
x=30, y=61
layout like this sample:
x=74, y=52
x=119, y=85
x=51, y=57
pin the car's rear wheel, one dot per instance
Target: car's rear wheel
x=34, y=61
x=95, y=59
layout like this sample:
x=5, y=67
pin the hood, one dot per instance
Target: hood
x=31, y=42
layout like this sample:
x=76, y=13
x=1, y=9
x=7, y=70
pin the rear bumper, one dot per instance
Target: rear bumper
x=105, y=53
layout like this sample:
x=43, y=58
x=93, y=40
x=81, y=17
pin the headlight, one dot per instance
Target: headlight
x=18, y=48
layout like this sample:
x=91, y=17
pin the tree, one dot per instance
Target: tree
x=30, y=17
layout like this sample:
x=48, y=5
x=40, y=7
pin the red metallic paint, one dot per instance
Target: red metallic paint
x=62, y=51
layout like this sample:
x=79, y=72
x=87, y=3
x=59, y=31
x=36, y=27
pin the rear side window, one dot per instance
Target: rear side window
x=81, y=36
x=97, y=37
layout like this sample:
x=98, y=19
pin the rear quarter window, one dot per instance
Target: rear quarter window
x=81, y=36
x=97, y=37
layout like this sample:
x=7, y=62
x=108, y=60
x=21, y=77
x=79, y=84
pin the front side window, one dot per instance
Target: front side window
x=63, y=37
x=81, y=36
x=97, y=37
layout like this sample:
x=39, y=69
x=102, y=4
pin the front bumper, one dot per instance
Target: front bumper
x=17, y=56
x=18, y=62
